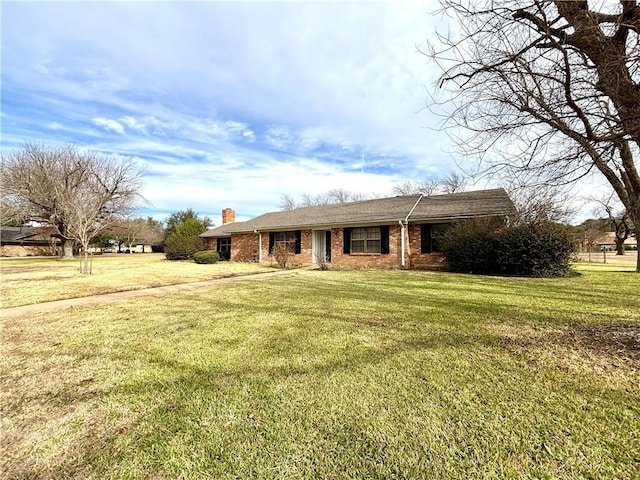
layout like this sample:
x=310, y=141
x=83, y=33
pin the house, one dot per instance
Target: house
x=27, y=241
x=607, y=241
x=401, y=231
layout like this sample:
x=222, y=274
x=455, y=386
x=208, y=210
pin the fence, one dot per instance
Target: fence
x=604, y=256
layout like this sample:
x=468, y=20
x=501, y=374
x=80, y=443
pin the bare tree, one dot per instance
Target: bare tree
x=539, y=203
x=78, y=193
x=426, y=187
x=548, y=87
x=334, y=196
x=287, y=202
x=451, y=183
x=618, y=221
x=127, y=231
x=592, y=231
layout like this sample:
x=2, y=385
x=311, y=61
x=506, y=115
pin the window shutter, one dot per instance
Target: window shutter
x=217, y=244
x=298, y=247
x=425, y=238
x=346, y=237
x=384, y=238
x=272, y=240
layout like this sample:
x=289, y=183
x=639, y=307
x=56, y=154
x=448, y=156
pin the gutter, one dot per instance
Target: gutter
x=402, y=227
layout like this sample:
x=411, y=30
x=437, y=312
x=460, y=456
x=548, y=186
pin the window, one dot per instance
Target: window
x=284, y=237
x=366, y=239
x=290, y=237
x=431, y=236
x=224, y=248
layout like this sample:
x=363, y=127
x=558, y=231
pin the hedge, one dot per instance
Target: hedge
x=537, y=249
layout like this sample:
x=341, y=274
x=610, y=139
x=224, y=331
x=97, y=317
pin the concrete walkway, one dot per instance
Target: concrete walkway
x=118, y=296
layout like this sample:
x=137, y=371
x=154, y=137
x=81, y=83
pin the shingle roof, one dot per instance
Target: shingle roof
x=16, y=234
x=379, y=210
x=464, y=204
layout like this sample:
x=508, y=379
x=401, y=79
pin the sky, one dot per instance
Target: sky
x=230, y=104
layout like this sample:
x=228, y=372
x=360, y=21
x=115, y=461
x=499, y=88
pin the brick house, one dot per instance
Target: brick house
x=401, y=231
x=28, y=241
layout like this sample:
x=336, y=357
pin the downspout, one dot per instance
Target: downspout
x=406, y=224
x=259, y=245
x=401, y=243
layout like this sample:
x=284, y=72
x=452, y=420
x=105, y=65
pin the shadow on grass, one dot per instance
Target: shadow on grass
x=189, y=413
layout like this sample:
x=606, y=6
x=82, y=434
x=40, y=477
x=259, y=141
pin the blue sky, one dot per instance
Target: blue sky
x=229, y=104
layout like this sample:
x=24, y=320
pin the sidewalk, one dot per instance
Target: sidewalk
x=117, y=296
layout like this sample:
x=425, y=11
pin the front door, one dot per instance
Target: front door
x=321, y=246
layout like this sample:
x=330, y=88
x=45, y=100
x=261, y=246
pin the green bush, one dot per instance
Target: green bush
x=535, y=250
x=206, y=256
x=528, y=249
x=182, y=247
x=468, y=245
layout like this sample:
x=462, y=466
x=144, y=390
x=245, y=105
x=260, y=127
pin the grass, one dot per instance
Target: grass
x=333, y=374
x=34, y=280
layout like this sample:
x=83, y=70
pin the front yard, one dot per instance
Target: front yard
x=35, y=280
x=333, y=375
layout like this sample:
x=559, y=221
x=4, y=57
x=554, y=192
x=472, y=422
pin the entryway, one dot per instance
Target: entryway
x=321, y=246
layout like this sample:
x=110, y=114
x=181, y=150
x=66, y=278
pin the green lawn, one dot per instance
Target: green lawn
x=34, y=280
x=333, y=374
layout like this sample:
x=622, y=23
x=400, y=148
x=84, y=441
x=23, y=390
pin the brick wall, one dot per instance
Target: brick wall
x=417, y=259
x=244, y=247
x=306, y=252
x=352, y=260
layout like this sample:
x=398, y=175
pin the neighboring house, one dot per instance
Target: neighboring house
x=607, y=241
x=400, y=231
x=27, y=241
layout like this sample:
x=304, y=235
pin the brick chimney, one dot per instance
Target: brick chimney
x=228, y=215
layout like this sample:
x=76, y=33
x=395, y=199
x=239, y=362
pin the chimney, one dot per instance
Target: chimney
x=228, y=215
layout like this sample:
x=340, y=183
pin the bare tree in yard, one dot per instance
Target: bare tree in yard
x=131, y=231
x=548, y=88
x=619, y=222
x=80, y=194
x=282, y=253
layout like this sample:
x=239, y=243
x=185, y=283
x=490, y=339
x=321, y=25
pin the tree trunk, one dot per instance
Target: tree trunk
x=620, y=246
x=67, y=249
x=634, y=215
x=85, y=268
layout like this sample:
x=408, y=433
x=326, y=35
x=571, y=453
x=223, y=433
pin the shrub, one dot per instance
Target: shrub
x=206, y=256
x=527, y=249
x=182, y=247
x=282, y=253
x=468, y=245
x=540, y=249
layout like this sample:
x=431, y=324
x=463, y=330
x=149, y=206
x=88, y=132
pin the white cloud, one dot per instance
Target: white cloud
x=108, y=124
x=231, y=103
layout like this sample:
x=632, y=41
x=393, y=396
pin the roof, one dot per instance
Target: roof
x=25, y=235
x=16, y=234
x=376, y=211
x=609, y=238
